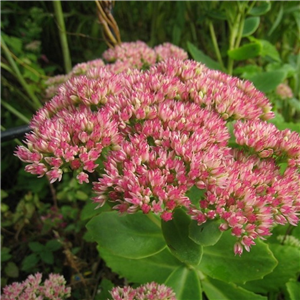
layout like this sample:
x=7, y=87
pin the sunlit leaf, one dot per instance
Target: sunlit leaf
x=245, y=52
x=186, y=284
x=219, y=261
x=156, y=268
x=132, y=236
x=216, y=289
x=250, y=25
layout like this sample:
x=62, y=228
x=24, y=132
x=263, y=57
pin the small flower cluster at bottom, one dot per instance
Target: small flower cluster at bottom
x=32, y=288
x=148, y=291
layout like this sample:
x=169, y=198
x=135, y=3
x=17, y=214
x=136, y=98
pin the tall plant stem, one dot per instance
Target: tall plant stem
x=15, y=112
x=62, y=35
x=19, y=76
x=235, y=31
x=215, y=44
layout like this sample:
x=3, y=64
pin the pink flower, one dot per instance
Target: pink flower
x=162, y=131
x=284, y=91
x=148, y=291
x=32, y=288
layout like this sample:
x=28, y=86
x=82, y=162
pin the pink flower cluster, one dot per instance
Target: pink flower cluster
x=284, y=91
x=124, y=57
x=160, y=132
x=148, y=291
x=32, y=288
x=139, y=55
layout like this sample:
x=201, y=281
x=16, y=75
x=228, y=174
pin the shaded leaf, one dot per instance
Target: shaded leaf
x=36, y=246
x=5, y=256
x=11, y=270
x=47, y=257
x=53, y=245
x=176, y=233
x=30, y=262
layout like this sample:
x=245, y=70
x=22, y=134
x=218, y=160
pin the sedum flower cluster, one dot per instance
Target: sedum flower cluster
x=148, y=291
x=152, y=135
x=33, y=289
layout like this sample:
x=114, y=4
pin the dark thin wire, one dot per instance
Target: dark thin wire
x=16, y=132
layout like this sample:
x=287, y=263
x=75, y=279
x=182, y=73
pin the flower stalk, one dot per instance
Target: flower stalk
x=19, y=76
x=62, y=35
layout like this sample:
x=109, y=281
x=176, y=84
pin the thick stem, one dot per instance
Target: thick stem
x=215, y=44
x=62, y=35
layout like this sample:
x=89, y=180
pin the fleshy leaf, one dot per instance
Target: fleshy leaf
x=185, y=283
x=206, y=234
x=250, y=25
x=267, y=81
x=267, y=49
x=245, y=52
x=215, y=289
x=195, y=195
x=156, y=268
x=261, y=8
x=293, y=289
x=131, y=236
x=176, y=233
x=287, y=269
x=199, y=56
x=219, y=261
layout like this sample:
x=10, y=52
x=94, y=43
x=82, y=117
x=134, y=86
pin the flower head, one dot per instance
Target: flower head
x=148, y=291
x=161, y=132
x=33, y=288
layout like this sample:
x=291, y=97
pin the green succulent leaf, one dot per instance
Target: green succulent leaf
x=261, y=8
x=293, y=289
x=267, y=81
x=244, y=52
x=287, y=269
x=185, y=283
x=206, y=234
x=156, y=268
x=199, y=56
x=131, y=236
x=250, y=26
x=219, y=261
x=216, y=289
x=176, y=233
